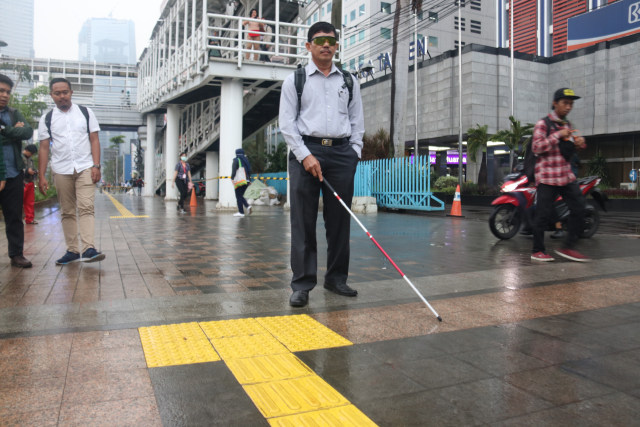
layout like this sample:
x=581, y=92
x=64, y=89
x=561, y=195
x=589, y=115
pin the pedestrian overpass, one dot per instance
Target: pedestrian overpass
x=196, y=74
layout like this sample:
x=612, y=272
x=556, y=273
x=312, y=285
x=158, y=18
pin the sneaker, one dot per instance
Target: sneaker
x=558, y=234
x=572, y=255
x=68, y=258
x=182, y=211
x=91, y=255
x=541, y=256
x=238, y=214
x=32, y=222
x=249, y=210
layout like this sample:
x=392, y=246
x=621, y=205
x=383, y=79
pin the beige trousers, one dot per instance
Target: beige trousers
x=77, y=191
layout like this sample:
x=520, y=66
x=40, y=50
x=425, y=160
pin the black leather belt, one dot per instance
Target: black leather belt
x=327, y=142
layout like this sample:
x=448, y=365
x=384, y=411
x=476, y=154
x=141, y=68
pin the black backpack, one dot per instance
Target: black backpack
x=567, y=149
x=300, y=79
x=47, y=120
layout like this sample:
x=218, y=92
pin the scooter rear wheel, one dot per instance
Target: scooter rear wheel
x=505, y=221
x=591, y=222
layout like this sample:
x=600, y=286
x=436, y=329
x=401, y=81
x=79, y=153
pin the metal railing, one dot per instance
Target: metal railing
x=399, y=183
x=171, y=61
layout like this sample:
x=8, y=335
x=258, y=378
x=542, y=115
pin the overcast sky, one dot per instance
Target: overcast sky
x=57, y=23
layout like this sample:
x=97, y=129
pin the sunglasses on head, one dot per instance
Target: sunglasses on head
x=321, y=40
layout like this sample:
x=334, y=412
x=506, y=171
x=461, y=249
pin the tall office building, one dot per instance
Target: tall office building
x=540, y=26
x=368, y=27
x=107, y=40
x=16, y=28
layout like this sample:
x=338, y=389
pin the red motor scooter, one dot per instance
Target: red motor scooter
x=512, y=207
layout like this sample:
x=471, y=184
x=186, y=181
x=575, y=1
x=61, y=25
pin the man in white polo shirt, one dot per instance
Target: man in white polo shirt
x=72, y=132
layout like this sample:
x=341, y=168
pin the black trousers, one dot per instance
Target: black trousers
x=574, y=199
x=183, y=189
x=338, y=166
x=240, y=200
x=11, y=202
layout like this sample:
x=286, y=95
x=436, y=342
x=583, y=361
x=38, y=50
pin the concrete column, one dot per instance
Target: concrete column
x=231, y=98
x=171, y=149
x=212, y=170
x=150, y=157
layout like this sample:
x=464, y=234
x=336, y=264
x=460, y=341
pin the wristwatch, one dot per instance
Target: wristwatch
x=96, y=166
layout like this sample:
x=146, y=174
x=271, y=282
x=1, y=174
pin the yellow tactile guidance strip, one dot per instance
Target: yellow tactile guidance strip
x=124, y=212
x=258, y=351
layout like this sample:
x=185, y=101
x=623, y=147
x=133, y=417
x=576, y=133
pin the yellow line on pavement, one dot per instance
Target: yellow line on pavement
x=124, y=212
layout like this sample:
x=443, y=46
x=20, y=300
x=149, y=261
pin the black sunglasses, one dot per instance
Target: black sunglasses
x=321, y=40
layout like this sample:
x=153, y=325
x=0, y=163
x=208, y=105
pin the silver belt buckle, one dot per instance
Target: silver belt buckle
x=327, y=142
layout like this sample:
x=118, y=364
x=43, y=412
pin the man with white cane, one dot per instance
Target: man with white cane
x=322, y=122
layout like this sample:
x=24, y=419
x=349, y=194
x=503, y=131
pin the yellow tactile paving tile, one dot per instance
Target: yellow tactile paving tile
x=179, y=344
x=248, y=346
x=288, y=397
x=232, y=328
x=302, y=333
x=268, y=368
x=169, y=333
x=335, y=417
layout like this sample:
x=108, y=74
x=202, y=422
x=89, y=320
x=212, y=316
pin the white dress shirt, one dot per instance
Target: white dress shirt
x=70, y=145
x=325, y=110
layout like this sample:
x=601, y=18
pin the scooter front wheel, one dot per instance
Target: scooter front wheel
x=505, y=221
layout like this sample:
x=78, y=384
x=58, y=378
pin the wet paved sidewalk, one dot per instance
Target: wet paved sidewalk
x=520, y=344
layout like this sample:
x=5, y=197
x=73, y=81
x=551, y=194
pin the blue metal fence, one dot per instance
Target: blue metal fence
x=400, y=183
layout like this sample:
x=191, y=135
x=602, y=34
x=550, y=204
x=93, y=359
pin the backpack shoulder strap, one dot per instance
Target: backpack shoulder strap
x=300, y=78
x=47, y=122
x=85, y=113
x=12, y=115
x=348, y=81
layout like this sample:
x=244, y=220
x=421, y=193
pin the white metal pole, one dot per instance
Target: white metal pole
x=460, y=92
x=511, y=38
x=415, y=81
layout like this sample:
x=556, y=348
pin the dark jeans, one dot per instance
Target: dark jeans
x=338, y=166
x=11, y=202
x=184, y=190
x=574, y=199
x=242, y=202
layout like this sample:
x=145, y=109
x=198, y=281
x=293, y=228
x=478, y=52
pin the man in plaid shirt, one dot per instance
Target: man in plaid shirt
x=553, y=148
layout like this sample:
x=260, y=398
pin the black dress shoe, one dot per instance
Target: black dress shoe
x=341, y=289
x=299, y=298
x=20, y=261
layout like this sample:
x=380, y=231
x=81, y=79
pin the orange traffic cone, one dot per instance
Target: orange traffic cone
x=456, y=208
x=194, y=202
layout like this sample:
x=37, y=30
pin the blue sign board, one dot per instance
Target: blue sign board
x=633, y=175
x=613, y=21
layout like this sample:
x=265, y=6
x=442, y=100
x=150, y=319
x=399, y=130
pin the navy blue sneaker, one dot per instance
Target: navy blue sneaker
x=91, y=255
x=68, y=258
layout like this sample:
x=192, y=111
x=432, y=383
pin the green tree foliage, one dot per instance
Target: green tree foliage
x=31, y=105
x=598, y=166
x=116, y=141
x=517, y=137
x=477, y=139
x=277, y=161
x=378, y=146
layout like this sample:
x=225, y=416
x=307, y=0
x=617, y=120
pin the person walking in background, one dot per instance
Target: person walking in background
x=325, y=138
x=241, y=161
x=70, y=132
x=554, y=145
x=182, y=178
x=13, y=130
x=30, y=174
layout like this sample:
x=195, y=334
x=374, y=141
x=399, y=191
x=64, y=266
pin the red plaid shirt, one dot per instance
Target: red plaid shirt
x=551, y=167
